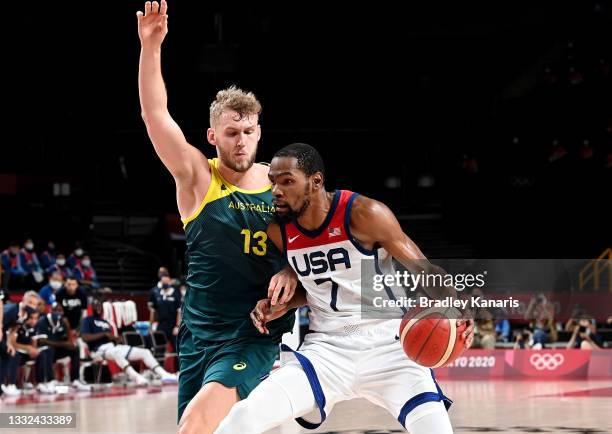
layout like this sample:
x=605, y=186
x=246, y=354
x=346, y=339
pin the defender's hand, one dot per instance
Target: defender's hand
x=286, y=281
x=153, y=24
x=264, y=312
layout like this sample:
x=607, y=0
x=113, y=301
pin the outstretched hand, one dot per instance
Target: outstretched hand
x=264, y=312
x=153, y=23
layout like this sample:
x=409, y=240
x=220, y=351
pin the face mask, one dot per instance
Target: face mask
x=86, y=263
x=55, y=284
x=78, y=252
x=166, y=285
x=29, y=246
x=61, y=262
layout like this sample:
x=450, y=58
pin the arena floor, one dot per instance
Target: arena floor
x=480, y=406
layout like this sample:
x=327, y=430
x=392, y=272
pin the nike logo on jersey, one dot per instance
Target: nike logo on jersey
x=292, y=239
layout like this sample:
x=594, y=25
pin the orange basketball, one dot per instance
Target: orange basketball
x=431, y=337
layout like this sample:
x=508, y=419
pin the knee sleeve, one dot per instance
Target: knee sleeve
x=428, y=418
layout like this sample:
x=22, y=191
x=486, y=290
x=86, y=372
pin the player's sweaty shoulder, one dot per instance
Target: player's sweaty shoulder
x=364, y=209
x=367, y=216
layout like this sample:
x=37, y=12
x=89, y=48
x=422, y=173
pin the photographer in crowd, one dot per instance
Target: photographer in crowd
x=584, y=333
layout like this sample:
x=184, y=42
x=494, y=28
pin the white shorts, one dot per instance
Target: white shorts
x=368, y=363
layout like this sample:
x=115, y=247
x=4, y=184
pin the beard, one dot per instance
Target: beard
x=294, y=214
x=226, y=158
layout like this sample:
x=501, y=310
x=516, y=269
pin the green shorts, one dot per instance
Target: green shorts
x=241, y=363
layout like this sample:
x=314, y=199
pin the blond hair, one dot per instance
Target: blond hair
x=236, y=99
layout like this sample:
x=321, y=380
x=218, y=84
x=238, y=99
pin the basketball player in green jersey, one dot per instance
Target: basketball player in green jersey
x=225, y=204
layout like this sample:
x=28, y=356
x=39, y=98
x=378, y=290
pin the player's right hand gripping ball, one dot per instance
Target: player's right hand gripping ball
x=431, y=337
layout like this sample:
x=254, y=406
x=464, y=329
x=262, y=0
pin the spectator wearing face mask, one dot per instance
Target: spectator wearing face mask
x=166, y=309
x=60, y=266
x=34, y=271
x=26, y=345
x=48, y=257
x=47, y=292
x=14, y=317
x=13, y=265
x=75, y=258
x=161, y=273
x=86, y=274
x=54, y=331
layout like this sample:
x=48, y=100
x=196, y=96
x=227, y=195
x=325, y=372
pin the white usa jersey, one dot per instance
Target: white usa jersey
x=328, y=262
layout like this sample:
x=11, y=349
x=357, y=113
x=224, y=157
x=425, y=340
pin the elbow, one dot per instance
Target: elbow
x=148, y=117
x=151, y=116
x=145, y=116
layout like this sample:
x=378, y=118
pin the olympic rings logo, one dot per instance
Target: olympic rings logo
x=546, y=361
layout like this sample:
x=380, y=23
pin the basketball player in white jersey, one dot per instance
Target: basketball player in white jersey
x=326, y=235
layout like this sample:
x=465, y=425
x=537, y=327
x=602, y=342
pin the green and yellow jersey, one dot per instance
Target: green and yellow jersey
x=230, y=261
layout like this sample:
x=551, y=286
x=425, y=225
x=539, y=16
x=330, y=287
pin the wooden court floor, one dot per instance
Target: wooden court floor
x=479, y=406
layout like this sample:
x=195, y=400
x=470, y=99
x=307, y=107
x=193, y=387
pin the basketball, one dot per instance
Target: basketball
x=431, y=337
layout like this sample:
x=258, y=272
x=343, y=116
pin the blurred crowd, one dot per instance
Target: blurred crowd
x=64, y=322
x=539, y=327
x=24, y=268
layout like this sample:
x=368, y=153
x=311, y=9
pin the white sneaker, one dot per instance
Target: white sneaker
x=11, y=390
x=28, y=386
x=46, y=388
x=141, y=381
x=168, y=378
x=81, y=387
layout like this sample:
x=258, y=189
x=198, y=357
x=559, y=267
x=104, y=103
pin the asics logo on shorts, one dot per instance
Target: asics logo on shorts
x=546, y=361
x=239, y=366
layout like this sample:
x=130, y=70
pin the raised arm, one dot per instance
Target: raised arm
x=187, y=164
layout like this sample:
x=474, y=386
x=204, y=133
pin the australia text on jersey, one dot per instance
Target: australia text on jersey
x=253, y=207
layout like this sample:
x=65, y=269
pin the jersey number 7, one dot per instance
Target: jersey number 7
x=334, y=291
